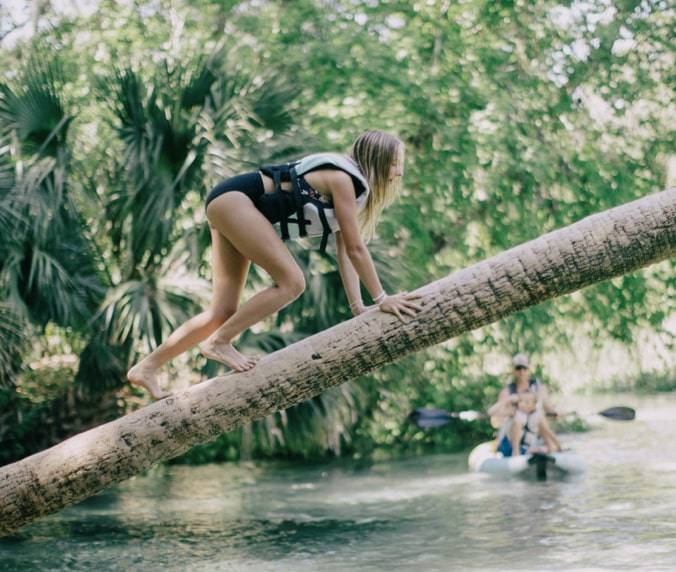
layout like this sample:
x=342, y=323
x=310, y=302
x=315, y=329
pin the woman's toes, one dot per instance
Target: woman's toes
x=228, y=355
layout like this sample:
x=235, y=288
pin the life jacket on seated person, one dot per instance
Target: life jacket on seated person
x=313, y=215
x=530, y=429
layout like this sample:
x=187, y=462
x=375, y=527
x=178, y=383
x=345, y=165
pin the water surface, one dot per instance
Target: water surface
x=425, y=513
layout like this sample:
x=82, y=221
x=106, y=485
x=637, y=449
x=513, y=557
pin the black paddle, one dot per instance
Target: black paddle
x=619, y=413
x=425, y=417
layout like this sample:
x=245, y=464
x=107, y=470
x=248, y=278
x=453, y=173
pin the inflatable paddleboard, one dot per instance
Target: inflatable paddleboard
x=484, y=459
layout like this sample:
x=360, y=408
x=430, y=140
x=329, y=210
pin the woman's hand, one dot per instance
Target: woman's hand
x=402, y=303
x=357, y=309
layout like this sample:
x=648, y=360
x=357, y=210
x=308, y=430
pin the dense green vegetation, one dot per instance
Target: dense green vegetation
x=518, y=118
x=644, y=383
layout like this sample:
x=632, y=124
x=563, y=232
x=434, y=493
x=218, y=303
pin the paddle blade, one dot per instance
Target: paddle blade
x=434, y=422
x=619, y=413
x=430, y=417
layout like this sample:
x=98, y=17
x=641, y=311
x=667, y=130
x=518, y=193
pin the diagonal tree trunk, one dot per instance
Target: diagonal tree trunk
x=596, y=248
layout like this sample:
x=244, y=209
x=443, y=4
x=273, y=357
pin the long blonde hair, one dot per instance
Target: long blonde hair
x=375, y=151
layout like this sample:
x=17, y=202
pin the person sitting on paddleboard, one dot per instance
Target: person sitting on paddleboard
x=252, y=213
x=527, y=416
x=520, y=413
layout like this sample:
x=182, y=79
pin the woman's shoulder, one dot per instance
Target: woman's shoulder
x=326, y=159
x=337, y=176
x=338, y=170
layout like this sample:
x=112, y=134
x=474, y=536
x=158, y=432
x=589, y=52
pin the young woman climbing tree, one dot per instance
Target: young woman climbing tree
x=249, y=217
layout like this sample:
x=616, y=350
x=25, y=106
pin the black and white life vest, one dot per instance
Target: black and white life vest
x=534, y=386
x=313, y=216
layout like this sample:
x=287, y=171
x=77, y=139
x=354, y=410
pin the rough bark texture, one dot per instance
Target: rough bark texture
x=596, y=248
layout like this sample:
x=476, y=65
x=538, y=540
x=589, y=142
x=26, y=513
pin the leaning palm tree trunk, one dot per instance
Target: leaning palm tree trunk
x=597, y=248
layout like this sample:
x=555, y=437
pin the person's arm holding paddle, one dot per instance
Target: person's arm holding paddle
x=501, y=409
x=547, y=406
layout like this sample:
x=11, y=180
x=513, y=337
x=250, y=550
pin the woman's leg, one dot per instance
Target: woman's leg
x=515, y=436
x=235, y=216
x=229, y=270
x=545, y=431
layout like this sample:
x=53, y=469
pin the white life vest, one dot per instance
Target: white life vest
x=319, y=218
x=529, y=421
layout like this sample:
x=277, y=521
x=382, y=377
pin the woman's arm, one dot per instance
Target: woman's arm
x=543, y=394
x=349, y=277
x=345, y=206
x=503, y=406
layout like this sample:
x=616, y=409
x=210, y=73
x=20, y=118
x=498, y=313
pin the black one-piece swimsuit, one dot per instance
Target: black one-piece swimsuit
x=275, y=206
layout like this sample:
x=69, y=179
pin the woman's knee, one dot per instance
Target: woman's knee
x=292, y=284
x=220, y=314
x=516, y=427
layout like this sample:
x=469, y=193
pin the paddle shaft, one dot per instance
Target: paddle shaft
x=438, y=417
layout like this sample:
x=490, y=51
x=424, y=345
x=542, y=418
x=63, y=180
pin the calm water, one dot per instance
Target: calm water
x=420, y=514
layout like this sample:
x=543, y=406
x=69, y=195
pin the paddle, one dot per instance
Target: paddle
x=426, y=417
x=619, y=413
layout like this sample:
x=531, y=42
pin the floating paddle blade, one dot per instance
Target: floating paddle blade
x=427, y=417
x=619, y=413
x=434, y=422
x=430, y=417
x=432, y=413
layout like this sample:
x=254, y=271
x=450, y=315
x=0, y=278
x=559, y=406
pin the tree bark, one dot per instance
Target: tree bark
x=596, y=248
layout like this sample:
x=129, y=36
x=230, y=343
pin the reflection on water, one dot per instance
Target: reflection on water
x=426, y=512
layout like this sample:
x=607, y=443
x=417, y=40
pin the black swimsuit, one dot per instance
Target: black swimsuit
x=273, y=206
x=251, y=184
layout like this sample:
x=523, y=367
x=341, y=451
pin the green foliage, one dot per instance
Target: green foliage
x=518, y=118
x=44, y=408
x=571, y=424
x=646, y=382
x=14, y=342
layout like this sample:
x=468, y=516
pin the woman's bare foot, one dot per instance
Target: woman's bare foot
x=227, y=354
x=143, y=375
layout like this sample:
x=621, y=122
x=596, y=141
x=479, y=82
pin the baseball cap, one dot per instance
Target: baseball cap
x=520, y=360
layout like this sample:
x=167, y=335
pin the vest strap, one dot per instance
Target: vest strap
x=298, y=202
x=326, y=229
x=300, y=197
x=277, y=176
x=284, y=228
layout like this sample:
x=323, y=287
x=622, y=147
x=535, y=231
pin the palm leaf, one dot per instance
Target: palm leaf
x=101, y=366
x=34, y=109
x=13, y=341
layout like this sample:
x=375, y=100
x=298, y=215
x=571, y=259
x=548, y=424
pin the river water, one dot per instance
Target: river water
x=424, y=513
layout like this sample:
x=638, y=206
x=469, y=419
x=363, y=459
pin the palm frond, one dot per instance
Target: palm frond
x=274, y=99
x=195, y=81
x=317, y=426
x=34, y=109
x=149, y=308
x=13, y=341
x=101, y=365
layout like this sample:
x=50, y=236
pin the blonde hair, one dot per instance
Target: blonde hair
x=375, y=151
